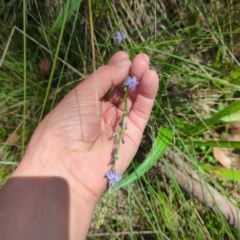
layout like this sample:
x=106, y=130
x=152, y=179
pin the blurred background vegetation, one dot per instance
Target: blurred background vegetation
x=48, y=47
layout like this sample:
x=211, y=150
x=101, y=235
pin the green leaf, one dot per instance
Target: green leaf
x=69, y=8
x=222, y=144
x=222, y=172
x=232, y=108
x=235, y=75
x=3, y=132
x=8, y=163
x=163, y=140
x=231, y=118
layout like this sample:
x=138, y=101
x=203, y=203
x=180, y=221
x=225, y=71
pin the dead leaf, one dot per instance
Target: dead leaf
x=44, y=66
x=221, y=155
x=229, y=157
x=13, y=138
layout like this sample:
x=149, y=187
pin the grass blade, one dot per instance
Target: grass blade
x=222, y=144
x=232, y=108
x=163, y=140
x=222, y=172
x=71, y=7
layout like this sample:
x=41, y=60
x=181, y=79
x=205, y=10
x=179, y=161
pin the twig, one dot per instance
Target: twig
x=191, y=183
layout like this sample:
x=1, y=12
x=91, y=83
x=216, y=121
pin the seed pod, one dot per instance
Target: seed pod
x=114, y=134
x=121, y=122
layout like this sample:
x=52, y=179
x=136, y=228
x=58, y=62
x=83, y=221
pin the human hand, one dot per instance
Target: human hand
x=74, y=140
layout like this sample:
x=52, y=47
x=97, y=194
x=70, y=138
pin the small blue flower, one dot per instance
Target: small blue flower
x=120, y=37
x=132, y=82
x=113, y=178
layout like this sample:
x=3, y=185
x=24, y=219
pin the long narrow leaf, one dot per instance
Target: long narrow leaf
x=163, y=140
x=73, y=7
x=235, y=117
x=222, y=144
x=222, y=172
x=232, y=108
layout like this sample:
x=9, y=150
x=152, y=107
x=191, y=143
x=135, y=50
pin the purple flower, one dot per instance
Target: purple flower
x=113, y=178
x=132, y=82
x=120, y=37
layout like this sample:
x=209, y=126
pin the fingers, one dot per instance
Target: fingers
x=147, y=91
x=142, y=99
x=117, y=57
x=99, y=83
x=139, y=66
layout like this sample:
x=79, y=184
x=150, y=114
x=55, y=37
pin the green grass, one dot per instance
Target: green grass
x=194, y=47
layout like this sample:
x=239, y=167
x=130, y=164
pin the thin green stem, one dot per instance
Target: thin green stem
x=122, y=127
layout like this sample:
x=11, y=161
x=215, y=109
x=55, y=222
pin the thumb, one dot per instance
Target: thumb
x=99, y=82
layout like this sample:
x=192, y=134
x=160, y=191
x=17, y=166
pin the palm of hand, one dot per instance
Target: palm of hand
x=83, y=122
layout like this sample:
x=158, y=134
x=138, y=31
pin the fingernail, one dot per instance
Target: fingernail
x=124, y=62
x=145, y=56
